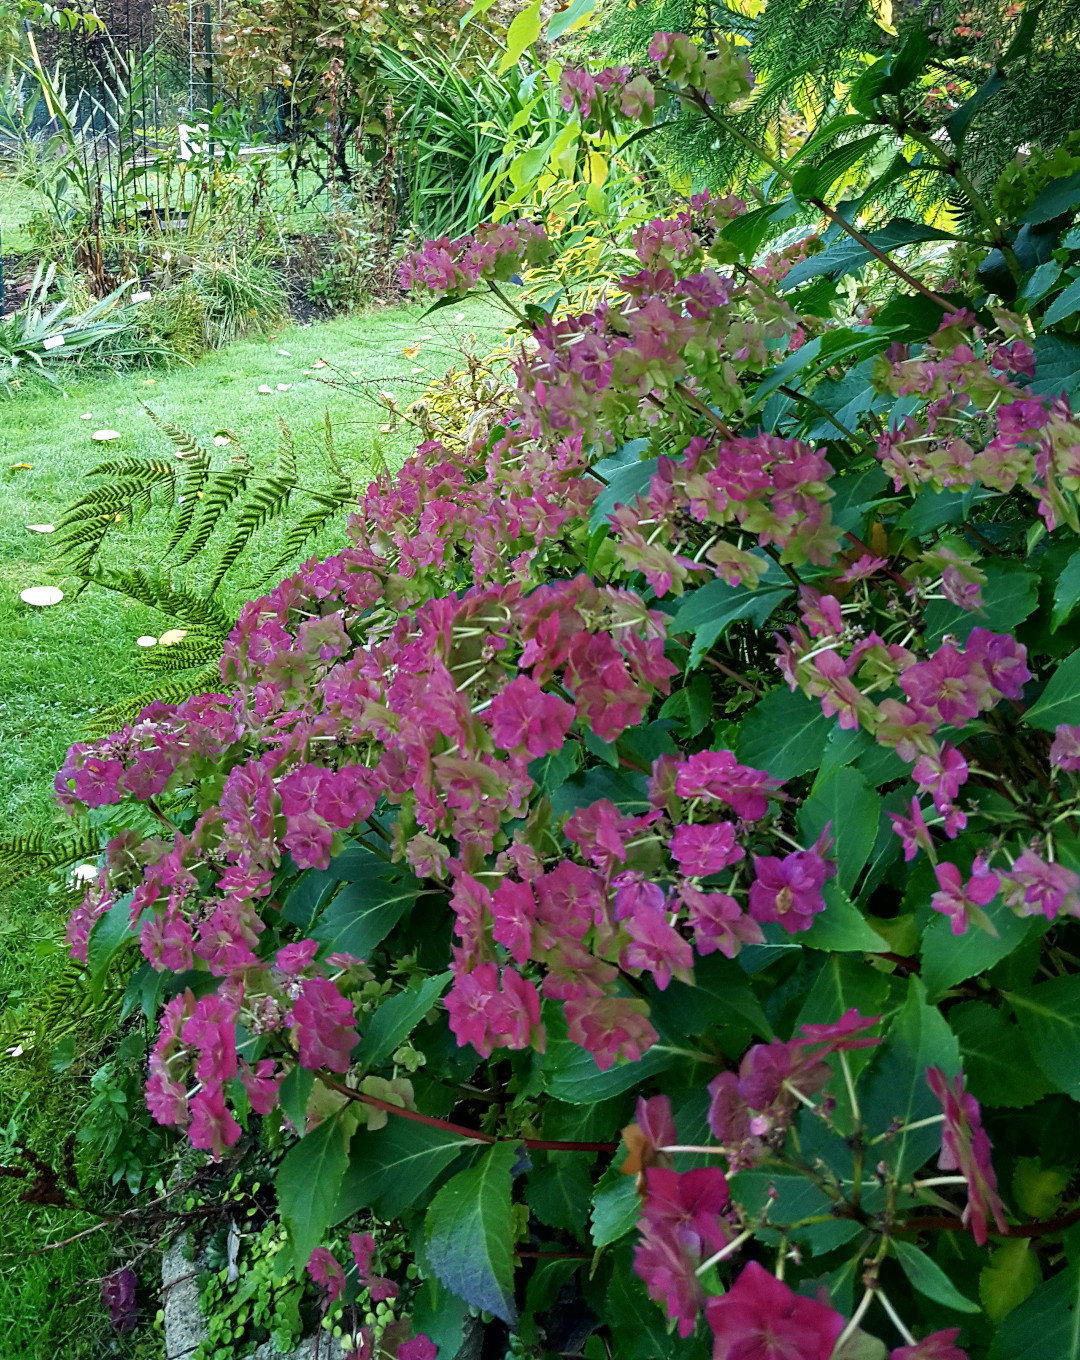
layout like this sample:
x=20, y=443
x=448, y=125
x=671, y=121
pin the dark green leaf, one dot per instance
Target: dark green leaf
x=959, y=121
x=1049, y=1016
x=1060, y=700
x=1066, y=304
x=308, y=1183
x=1045, y=1326
x=571, y=1073
x=616, y=1206
x=1010, y=594
x=896, y=1087
x=396, y=1019
x=558, y=1192
x=624, y=485
x=949, y=959
x=841, y=927
x=363, y=914
x=1066, y=593
x=1057, y=365
x=1056, y=198
x=108, y=934
x=847, y=255
x=929, y=1278
x=999, y=1065
x=470, y=1233
x=785, y=734
x=815, y=181
x=295, y=1091
x=790, y=1198
x=851, y=809
x=391, y=1168
x=440, y=1315
x=708, y=612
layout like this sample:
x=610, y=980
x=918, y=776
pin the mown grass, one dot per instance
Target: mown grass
x=58, y=666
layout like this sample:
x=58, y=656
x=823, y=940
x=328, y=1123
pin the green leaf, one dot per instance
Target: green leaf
x=616, y=1206
x=1037, y=285
x=929, y=1278
x=1010, y=594
x=558, y=1192
x=709, y=611
x=786, y=1197
x=896, y=1086
x=1038, y=1189
x=719, y=995
x=847, y=255
x=1060, y=700
x=958, y=122
x=998, y=1066
x=363, y=914
x=841, y=926
x=470, y=1233
x=842, y=984
x=522, y=33
x=566, y=20
x=949, y=959
x=396, y=1019
x=1012, y=1275
x=853, y=809
x=295, y=1091
x=815, y=181
x=785, y=734
x=390, y=1169
x=1055, y=199
x=571, y=1073
x=108, y=934
x=625, y=483
x=1049, y=1016
x=1064, y=305
x=1057, y=365
x=1045, y=1326
x=308, y=1183
x=1066, y=593
x=440, y=1315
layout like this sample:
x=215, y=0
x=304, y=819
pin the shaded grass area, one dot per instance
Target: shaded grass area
x=59, y=666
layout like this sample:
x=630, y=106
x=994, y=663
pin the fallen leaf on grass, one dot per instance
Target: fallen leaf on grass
x=88, y=416
x=411, y=351
x=220, y=440
x=41, y=596
x=172, y=636
x=42, y=528
x=284, y=387
x=320, y=363
x=104, y=436
x=264, y=390
x=21, y=467
x=284, y=353
x=146, y=641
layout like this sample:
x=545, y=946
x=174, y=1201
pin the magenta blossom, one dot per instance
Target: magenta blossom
x=760, y=1318
x=788, y=890
x=963, y=902
x=1065, y=749
x=418, y=1347
x=1033, y=887
x=913, y=831
x=704, y=850
x=324, y=1269
x=680, y=1225
x=323, y=1019
x=966, y=1148
x=937, y=1346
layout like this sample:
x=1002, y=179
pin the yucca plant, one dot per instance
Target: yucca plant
x=42, y=334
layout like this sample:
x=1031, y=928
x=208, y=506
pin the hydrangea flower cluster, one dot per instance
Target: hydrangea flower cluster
x=495, y=252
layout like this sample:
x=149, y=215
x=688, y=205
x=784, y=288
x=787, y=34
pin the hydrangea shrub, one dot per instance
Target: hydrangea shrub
x=641, y=868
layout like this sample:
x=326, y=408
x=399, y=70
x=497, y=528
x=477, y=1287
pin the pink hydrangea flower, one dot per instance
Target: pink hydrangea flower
x=523, y=716
x=788, y=890
x=760, y=1318
x=963, y=902
x=717, y=774
x=942, y=774
x=325, y=1269
x=704, y=850
x=1032, y=887
x=966, y=1148
x=937, y=1346
x=718, y=922
x=680, y=1225
x=1065, y=749
x=913, y=831
x=212, y=1127
x=324, y=1025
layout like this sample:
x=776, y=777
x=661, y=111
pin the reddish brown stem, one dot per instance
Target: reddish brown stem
x=1045, y=1229
x=533, y=1144
x=897, y=269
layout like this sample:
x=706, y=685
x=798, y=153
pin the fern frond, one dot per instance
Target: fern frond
x=38, y=853
x=222, y=490
x=286, y=459
x=305, y=529
x=193, y=651
x=194, y=611
x=266, y=503
x=186, y=445
x=206, y=680
x=343, y=481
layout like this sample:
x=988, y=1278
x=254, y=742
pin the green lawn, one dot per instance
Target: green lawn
x=59, y=665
